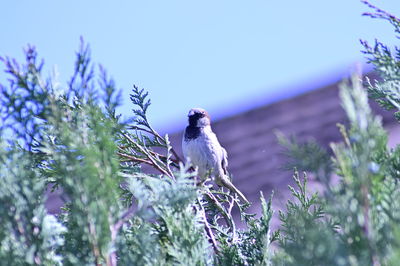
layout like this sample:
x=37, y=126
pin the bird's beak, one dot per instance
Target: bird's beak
x=191, y=112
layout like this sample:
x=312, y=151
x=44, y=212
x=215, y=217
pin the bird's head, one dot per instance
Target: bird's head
x=198, y=117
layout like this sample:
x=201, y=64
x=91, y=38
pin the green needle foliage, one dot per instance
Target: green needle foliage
x=386, y=61
x=115, y=210
x=356, y=220
x=130, y=200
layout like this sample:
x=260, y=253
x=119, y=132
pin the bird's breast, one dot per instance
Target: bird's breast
x=198, y=150
x=204, y=151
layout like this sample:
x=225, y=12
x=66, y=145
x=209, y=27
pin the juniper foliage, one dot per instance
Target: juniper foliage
x=355, y=221
x=116, y=211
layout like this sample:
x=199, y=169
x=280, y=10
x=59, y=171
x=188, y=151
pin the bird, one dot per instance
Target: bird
x=201, y=147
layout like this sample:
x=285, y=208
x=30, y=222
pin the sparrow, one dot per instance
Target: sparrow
x=201, y=147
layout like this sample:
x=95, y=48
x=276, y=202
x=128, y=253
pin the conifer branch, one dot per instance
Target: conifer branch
x=151, y=159
x=154, y=133
x=207, y=227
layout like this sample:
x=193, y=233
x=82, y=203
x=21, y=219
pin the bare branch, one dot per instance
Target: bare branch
x=155, y=134
x=148, y=155
x=208, y=228
x=112, y=258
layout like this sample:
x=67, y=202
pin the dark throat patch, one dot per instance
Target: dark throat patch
x=192, y=132
x=193, y=119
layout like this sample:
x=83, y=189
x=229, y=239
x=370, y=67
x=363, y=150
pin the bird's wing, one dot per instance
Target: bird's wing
x=224, y=162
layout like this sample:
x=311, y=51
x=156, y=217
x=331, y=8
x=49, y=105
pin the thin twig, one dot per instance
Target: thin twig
x=161, y=138
x=233, y=199
x=124, y=217
x=163, y=157
x=154, y=163
x=133, y=158
x=380, y=12
x=219, y=230
x=154, y=133
x=207, y=228
x=140, y=160
x=227, y=216
x=95, y=248
x=112, y=258
x=231, y=204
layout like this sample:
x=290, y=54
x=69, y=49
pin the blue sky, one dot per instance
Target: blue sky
x=225, y=56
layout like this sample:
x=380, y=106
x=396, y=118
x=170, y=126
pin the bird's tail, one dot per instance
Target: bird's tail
x=228, y=184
